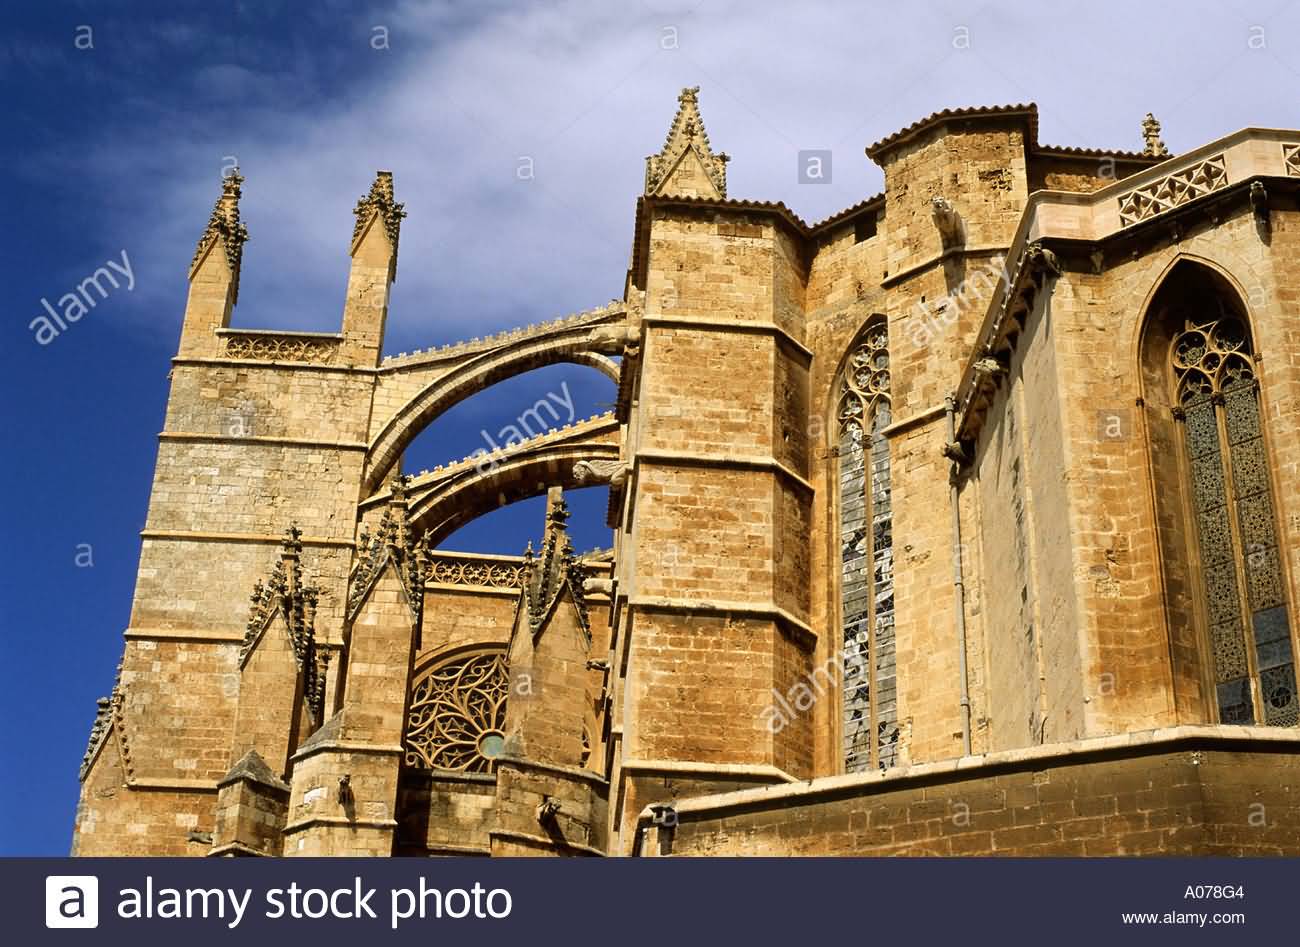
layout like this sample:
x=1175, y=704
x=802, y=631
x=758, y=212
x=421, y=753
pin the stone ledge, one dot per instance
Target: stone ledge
x=455, y=776
x=269, y=538
x=473, y=589
x=440, y=848
x=303, y=442
x=344, y=369
x=736, y=461
x=339, y=746
x=568, y=772
x=687, y=768
x=541, y=841
x=280, y=333
x=925, y=416
x=952, y=252
x=238, y=848
x=714, y=608
x=722, y=325
x=197, y=635
x=1163, y=740
x=175, y=785
x=333, y=820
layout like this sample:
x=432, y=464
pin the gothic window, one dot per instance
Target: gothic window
x=870, y=709
x=1216, y=400
x=458, y=709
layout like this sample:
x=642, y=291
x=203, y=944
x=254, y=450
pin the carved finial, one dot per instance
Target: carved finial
x=559, y=515
x=380, y=201
x=672, y=171
x=1151, y=135
x=224, y=225
x=397, y=487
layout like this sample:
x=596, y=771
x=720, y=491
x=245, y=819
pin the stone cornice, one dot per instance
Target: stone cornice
x=344, y=746
x=273, y=365
x=692, y=768
x=305, y=443
x=729, y=325
x=542, y=841
x=204, y=536
x=555, y=769
x=340, y=822
x=195, y=635
x=1072, y=753
x=712, y=608
x=733, y=461
x=954, y=252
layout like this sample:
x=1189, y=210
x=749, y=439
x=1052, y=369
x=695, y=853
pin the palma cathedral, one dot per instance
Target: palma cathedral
x=996, y=551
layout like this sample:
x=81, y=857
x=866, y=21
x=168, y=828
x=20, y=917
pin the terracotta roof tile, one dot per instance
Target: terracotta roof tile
x=1029, y=110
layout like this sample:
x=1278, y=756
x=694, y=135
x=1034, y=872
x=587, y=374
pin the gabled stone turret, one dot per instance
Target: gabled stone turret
x=374, y=268
x=547, y=801
x=282, y=673
x=345, y=777
x=214, y=272
x=686, y=165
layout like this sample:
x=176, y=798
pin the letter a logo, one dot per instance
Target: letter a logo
x=71, y=901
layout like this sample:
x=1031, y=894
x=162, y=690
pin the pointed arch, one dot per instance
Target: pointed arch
x=869, y=705
x=1231, y=626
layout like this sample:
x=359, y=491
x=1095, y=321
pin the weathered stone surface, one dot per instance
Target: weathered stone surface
x=1063, y=695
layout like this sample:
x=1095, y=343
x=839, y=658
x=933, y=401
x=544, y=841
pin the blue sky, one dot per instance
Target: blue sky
x=116, y=139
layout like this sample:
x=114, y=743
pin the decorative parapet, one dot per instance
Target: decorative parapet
x=497, y=573
x=271, y=346
x=614, y=309
x=224, y=225
x=1291, y=157
x=1173, y=190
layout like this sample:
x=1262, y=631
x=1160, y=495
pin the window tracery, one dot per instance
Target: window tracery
x=870, y=708
x=457, y=714
x=1217, y=400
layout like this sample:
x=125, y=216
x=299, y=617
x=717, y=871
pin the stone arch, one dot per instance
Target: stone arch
x=443, y=500
x=1231, y=627
x=576, y=343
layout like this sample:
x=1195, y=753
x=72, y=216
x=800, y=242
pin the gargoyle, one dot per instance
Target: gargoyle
x=612, y=340
x=612, y=472
x=946, y=219
x=597, y=586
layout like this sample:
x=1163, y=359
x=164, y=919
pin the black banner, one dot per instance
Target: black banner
x=631, y=901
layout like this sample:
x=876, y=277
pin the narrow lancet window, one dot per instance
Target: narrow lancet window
x=870, y=706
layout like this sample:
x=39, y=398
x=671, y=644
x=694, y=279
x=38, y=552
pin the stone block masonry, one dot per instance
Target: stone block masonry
x=946, y=477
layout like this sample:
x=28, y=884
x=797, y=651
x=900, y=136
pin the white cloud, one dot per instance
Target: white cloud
x=586, y=90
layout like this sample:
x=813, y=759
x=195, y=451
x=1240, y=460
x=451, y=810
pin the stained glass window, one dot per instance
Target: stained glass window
x=1249, y=635
x=870, y=706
